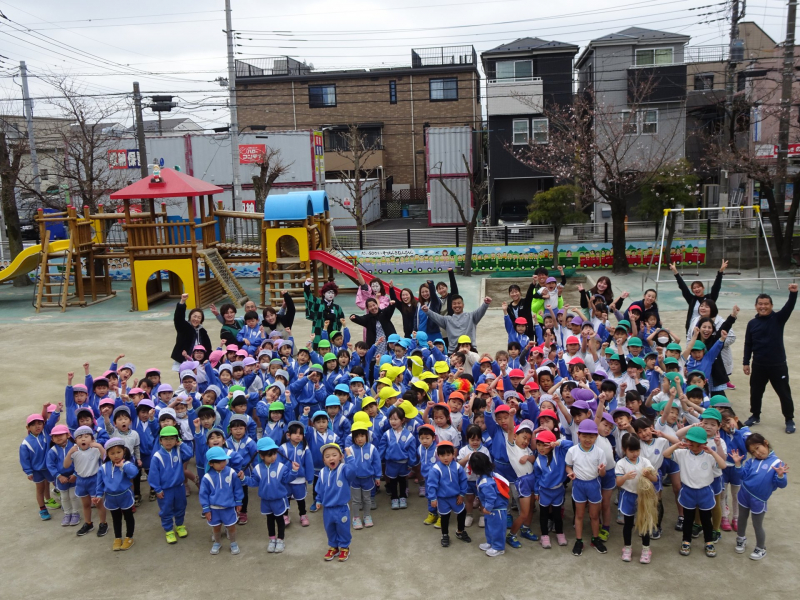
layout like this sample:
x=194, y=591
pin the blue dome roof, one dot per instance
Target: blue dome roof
x=296, y=206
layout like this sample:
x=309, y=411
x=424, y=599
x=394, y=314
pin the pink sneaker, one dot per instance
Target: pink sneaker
x=735, y=525
x=646, y=554
x=731, y=386
x=545, y=540
x=626, y=553
x=304, y=521
x=286, y=519
x=562, y=539
x=725, y=524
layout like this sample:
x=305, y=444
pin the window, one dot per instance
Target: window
x=520, y=131
x=654, y=57
x=704, y=81
x=519, y=70
x=444, y=89
x=629, y=125
x=321, y=96
x=337, y=139
x=540, y=133
x=650, y=121
x=392, y=92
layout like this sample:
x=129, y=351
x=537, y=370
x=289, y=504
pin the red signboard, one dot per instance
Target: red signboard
x=251, y=153
x=768, y=151
x=118, y=159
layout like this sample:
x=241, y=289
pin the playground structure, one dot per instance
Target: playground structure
x=290, y=242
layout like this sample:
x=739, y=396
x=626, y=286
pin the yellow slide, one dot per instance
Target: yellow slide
x=28, y=260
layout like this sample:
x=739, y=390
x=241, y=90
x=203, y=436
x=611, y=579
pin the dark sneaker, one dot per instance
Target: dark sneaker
x=598, y=545
x=679, y=524
x=716, y=535
x=102, y=529
x=753, y=420
x=577, y=549
x=790, y=426
x=696, y=530
x=445, y=540
x=463, y=536
x=85, y=528
x=656, y=535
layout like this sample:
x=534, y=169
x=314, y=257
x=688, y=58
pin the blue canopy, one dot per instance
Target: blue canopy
x=295, y=206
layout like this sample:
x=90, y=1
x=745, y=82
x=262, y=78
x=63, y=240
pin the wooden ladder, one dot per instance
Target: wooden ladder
x=47, y=281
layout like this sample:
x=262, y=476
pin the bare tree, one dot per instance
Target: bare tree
x=478, y=190
x=13, y=145
x=270, y=167
x=358, y=149
x=85, y=144
x=609, y=151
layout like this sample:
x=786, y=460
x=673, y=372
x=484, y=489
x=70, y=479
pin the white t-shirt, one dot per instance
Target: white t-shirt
x=467, y=451
x=552, y=301
x=722, y=451
x=625, y=466
x=697, y=470
x=662, y=426
x=608, y=450
x=585, y=463
x=654, y=451
x=448, y=434
x=515, y=453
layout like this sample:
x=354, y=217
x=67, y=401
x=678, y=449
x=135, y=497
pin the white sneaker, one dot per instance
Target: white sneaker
x=271, y=546
x=481, y=522
x=741, y=544
x=493, y=552
x=485, y=547
x=144, y=475
x=758, y=553
x=215, y=548
x=280, y=546
x=468, y=521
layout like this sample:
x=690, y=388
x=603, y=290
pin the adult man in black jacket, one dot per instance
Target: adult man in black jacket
x=764, y=342
x=698, y=292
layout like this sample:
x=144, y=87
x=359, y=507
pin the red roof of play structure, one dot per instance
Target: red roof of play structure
x=175, y=184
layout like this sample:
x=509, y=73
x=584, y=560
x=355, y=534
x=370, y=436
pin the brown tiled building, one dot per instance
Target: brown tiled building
x=392, y=106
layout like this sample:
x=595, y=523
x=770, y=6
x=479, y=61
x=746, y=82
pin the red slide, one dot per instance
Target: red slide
x=344, y=267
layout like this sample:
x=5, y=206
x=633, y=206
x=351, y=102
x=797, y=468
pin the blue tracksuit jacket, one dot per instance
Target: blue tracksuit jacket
x=166, y=468
x=33, y=449
x=426, y=458
x=333, y=486
x=271, y=480
x=398, y=449
x=760, y=480
x=114, y=480
x=305, y=393
x=366, y=461
x=220, y=489
x=246, y=449
x=301, y=454
x=55, y=464
x=446, y=481
x=315, y=441
x=551, y=475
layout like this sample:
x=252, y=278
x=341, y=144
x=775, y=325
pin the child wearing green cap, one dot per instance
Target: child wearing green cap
x=696, y=461
x=166, y=478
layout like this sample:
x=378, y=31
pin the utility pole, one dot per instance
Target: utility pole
x=28, y=108
x=730, y=72
x=234, y=129
x=137, y=103
x=786, y=101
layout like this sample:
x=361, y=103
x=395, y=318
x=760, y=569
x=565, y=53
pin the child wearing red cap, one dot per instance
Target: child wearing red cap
x=549, y=474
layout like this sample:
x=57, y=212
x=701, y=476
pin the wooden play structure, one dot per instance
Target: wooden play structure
x=286, y=245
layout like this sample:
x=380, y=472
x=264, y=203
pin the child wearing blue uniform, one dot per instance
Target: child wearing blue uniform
x=221, y=498
x=397, y=449
x=549, y=475
x=295, y=449
x=114, y=482
x=33, y=455
x=494, y=505
x=367, y=464
x=761, y=476
x=64, y=479
x=332, y=494
x=166, y=478
x=243, y=445
x=272, y=477
x=85, y=455
x=446, y=488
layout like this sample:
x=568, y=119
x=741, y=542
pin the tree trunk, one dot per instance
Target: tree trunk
x=620, y=265
x=468, y=249
x=556, y=236
x=781, y=242
x=786, y=250
x=9, y=170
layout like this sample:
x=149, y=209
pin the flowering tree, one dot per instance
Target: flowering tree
x=609, y=151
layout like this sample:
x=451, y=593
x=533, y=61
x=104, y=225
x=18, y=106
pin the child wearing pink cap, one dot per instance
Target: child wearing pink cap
x=33, y=454
x=64, y=479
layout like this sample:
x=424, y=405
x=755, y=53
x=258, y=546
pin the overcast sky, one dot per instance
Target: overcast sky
x=179, y=46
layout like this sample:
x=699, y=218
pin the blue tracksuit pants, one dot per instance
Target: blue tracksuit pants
x=337, y=525
x=495, y=528
x=172, y=507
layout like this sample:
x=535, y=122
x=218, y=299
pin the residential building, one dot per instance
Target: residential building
x=168, y=127
x=522, y=77
x=707, y=71
x=637, y=78
x=392, y=107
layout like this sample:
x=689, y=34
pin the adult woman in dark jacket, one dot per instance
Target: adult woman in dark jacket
x=407, y=305
x=647, y=305
x=274, y=321
x=189, y=333
x=377, y=322
x=601, y=288
x=709, y=334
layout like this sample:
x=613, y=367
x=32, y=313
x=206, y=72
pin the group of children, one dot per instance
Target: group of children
x=583, y=408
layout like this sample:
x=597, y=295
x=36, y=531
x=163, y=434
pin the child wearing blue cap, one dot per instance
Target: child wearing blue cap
x=221, y=498
x=318, y=433
x=272, y=477
x=295, y=449
x=114, y=482
x=332, y=492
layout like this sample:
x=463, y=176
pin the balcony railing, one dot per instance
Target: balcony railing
x=513, y=80
x=443, y=56
x=695, y=54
